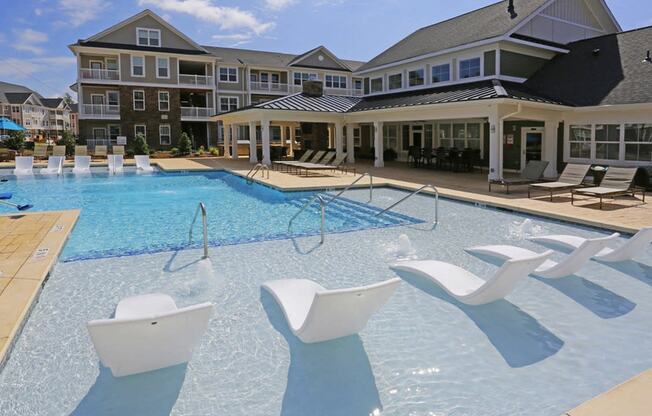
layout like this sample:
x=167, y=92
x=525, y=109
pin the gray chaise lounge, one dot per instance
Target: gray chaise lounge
x=532, y=173
x=616, y=182
x=571, y=178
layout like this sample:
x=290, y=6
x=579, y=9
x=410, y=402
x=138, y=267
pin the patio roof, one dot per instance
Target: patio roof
x=305, y=102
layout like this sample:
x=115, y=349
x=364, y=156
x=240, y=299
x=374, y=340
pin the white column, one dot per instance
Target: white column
x=378, y=144
x=235, y=133
x=350, y=146
x=264, y=129
x=283, y=141
x=339, y=140
x=495, y=145
x=293, y=137
x=550, y=147
x=227, y=140
x=253, y=146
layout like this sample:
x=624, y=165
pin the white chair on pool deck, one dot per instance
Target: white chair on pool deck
x=55, y=166
x=550, y=269
x=148, y=332
x=116, y=163
x=82, y=165
x=468, y=288
x=24, y=166
x=631, y=248
x=315, y=314
x=142, y=163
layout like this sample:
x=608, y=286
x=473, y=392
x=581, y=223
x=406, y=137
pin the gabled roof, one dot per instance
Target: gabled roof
x=481, y=24
x=52, y=102
x=17, y=97
x=605, y=70
x=304, y=102
x=16, y=94
x=321, y=50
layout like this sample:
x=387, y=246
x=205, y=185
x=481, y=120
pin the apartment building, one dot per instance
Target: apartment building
x=142, y=75
x=44, y=118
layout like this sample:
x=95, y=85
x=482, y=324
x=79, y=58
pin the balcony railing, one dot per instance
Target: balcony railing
x=196, y=80
x=197, y=112
x=348, y=92
x=268, y=87
x=99, y=74
x=101, y=111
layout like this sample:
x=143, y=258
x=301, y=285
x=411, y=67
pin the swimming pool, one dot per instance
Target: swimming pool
x=548, y=347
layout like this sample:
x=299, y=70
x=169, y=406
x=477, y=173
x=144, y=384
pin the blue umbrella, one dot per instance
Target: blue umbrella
x=6, y=124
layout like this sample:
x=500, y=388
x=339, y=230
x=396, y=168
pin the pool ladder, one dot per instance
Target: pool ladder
x=253, y=171
x=200, y=208
x=432, y=187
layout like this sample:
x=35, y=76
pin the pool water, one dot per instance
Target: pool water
x=550, y=345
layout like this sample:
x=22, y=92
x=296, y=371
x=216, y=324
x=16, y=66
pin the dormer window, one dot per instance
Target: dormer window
x=416, y=77
x=148, y=37
x=470, y=68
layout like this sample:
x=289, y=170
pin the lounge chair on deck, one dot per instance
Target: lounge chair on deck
x=100, y=151
x=148, y=332
x=334, y=165
x=468, y=288
x=115, y=163
x=571, y=178
x=616, y=182
x=81, y=151
x=315, y=314
x=288, y=163
x=24, y=165
x=142, y=163
x=59, y=151
x=532, y=173
x=40, y=150
x=118, y=150
x=633, y=247
x=82, y=165
x=572, y=263
x=320, y=155
x=55, y=166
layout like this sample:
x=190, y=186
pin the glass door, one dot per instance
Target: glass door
x=531, y=145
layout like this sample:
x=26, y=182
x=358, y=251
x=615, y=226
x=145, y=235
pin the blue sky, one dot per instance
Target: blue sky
x=34, y=34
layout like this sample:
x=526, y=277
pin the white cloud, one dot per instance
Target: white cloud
x=235, y=39
x=23, y=68
x=278, y=4
x=226, y=18
x=82, y=11
x=29, y=40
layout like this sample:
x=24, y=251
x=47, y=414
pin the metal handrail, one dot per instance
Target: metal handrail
x=201, y=207
x=371, y=188
x=255, y=169
x=411, y=195
x=322, y=203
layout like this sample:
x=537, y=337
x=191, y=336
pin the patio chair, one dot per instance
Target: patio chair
x=142, y=163
x=100, y=151
x=59, y=151
x=116, y=163
x=55, y=166
x=572, y=263
x=315, y=314
x=118, y=150
x=468, y=288
x=148, y=332
x=532, y=173
x=288, y=163
x=24, y=166
x=82, y=165
x=572, y=177
x=635, y=246
x=40, y=150
x=81, y=151
x=616, y=182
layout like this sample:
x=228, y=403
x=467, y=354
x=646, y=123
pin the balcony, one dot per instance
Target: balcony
x=197, y=113
x=349, y=92
x=100, y=111
x=90, y=74
x=205, y=81
x=258, y=87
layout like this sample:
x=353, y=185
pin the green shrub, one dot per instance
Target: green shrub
x=16, y=141
x=201, y=151
x=174, y=152
x=68, y=140
x=214, y=151
x=185, y=145
x=139, y=145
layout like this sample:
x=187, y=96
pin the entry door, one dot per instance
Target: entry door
x=531, y=145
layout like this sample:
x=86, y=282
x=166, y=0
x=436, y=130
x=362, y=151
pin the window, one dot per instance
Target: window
x=469, y=68
x=139, y=100
x=395, y=81
x=15, y=109
x=473, y=136
x=460, y=135
x=140, y=129
x=114, y=131
x=276, y=78
x=607, y=141
x=137, y=66
x=357, y=85
x=390, y=136
x=228, y=74
x=148, y=37
x=299, y=77
x=580, y=142
x=163, y=101
x=357, y=138
x=113, y=98
x=164, y=134
x=335, y=81
x=111, y=64
x=417, y=77
x=366, y=85
x=441, y=73
x=376, y=85
x=99, y=134
x=638, y=142
x=228, y=104
x=162, y=67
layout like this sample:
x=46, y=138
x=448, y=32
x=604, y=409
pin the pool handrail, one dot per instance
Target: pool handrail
x=411, y=195
x=253, y=171
x=322, y=203
x=201, y=207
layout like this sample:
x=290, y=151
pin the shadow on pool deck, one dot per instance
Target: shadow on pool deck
x=325, y=378
x=153, y=393
x=518, y=337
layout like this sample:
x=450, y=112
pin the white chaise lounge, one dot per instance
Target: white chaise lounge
x=116, y=163
x=82, y=165
x=142, y=163
x=315, y=314
x=148, y=333
x=571, y=264
x=55, y=166
x=633, y=247
x=24, y=165
x=468, y=288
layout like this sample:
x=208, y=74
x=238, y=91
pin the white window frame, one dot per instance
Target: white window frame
x=98, y=95
x=468, y=58
x=339, y=81
x=133, y=95
x=624, y=144
x=100, y=128
x=229, y=98
x=353, y=84
x=596, y=142
x=132, y=66
x=144, y=126
x=108, y=130
x=117, y=63
x=149, y=30
x=158, y=96
x=91, y=61
x=382, y=84
x=301, y=74
x=357, y=137
x=108, y=102
x=228, y=75
x=416, y=68
x=160, y=135
x=389, y=85
x=591, y=127
x=438, y=64
x=167, y=59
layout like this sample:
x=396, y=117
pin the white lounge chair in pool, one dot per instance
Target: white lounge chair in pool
x=315, y=314
x=24, y=165
x=142, y=163
x=148, y=332
x=572, y=263
x=468, y=288
x=55, y=166
x=82, y=165
x=628, y=250
x=115, y=163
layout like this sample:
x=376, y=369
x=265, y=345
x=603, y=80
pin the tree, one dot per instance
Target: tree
x=185, y=145
x=68, y=99
x=68, y=140
x=139, y=145
x=16, y=141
